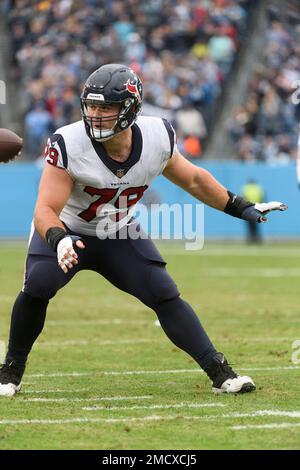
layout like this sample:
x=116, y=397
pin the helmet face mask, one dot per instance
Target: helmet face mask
x=103, y=127
x=111, y=84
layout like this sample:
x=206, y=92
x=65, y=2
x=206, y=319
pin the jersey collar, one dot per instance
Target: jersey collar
x=117, y=168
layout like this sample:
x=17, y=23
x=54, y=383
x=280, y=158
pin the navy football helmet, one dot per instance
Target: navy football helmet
x=111, y=84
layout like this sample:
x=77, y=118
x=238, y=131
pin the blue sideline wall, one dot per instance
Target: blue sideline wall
x=19, y=187
x=19, y=184
x=279, y=183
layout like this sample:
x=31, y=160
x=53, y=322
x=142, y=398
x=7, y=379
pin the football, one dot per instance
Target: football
x=10, y=145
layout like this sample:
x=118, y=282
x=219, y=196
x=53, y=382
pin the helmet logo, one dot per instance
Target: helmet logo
x=132, y=88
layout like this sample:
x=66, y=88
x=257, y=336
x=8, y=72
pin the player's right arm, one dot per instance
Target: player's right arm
x=55, y=189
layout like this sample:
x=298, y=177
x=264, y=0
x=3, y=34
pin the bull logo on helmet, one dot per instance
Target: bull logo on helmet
x=132, y=88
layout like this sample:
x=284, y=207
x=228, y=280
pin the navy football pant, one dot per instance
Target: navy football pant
x=134, y=266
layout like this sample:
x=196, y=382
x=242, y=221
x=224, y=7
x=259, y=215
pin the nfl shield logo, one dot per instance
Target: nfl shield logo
x=120, y=173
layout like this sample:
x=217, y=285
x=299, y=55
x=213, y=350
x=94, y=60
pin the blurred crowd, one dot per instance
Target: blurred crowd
x=267, y=126
x=182, y=49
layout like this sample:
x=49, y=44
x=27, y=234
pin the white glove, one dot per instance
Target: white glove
x=266, y=207
x=66, y=255
x=257, y=212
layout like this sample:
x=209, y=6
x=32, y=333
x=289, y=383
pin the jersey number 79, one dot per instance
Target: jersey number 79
x=126, y=199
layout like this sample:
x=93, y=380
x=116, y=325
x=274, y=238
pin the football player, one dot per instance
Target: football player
x=97, y=169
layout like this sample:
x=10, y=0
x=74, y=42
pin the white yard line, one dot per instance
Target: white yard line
x=153, y=372
x=153, y=407
x=78, y=400
x=265, y=426
x=114, y=373
x=70, y=390
x=90, y=420
x=258, y=413
x=255, y=414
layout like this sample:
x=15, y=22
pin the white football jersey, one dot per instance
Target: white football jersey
x=105, y=192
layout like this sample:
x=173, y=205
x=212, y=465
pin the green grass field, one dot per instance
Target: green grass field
x=103, y=376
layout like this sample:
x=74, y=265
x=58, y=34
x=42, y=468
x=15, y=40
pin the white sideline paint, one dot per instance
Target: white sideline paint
x=153, y=407
x=76, y=400
x=154, y=372
x=265, y=426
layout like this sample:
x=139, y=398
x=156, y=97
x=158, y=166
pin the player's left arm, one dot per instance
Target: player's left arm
x=202, y=185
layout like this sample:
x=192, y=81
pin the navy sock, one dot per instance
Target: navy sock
x=27, y=321
x=183, y=327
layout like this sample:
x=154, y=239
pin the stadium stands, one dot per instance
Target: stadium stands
x=182, y=49
x=266, y=127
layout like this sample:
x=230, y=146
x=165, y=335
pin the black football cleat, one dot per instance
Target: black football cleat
x=10, y=378
x=225, y=380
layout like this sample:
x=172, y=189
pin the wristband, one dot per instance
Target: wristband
x=236, y=205
x=54, y=235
